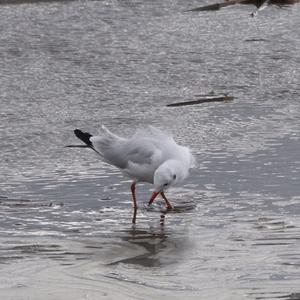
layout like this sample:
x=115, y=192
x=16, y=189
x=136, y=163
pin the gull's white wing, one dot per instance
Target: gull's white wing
x=119, y=151
x=136, y=158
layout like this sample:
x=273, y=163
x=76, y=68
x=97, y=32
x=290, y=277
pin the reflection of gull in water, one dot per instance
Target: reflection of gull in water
x=151, y=242
x=260, y=4
x=148, y=156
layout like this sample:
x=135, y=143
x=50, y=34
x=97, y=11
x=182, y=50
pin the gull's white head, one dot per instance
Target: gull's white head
x=167, y=174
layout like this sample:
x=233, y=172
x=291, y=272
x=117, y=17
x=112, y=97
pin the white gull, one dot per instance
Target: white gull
x=150, y=155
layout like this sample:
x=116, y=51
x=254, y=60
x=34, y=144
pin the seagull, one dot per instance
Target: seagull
x=150, y=155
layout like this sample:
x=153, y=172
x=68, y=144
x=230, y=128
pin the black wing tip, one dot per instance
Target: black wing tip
x=84, y=136
x=79, y=132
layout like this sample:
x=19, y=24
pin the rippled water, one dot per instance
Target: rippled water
x=66, y=229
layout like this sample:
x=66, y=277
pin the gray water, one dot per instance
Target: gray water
x=66, y=229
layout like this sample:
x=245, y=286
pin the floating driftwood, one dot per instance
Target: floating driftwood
x=260, y=4
x=255, y=40
x=203, y=99
x=11, y=202
x=215, y=6
x=6, y=2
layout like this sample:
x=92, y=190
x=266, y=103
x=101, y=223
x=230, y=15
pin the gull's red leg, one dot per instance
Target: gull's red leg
x=154, y=195
x=133, y=195
x=169, y=205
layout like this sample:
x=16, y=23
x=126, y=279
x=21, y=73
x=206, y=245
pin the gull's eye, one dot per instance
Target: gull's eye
x=165, y=184
x=174, y=176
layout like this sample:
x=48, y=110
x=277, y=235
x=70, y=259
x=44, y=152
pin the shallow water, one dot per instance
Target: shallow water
x=66, y=229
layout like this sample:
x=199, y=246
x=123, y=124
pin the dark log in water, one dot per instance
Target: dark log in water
x=8, y=2
x=215, y=6
x=258, y=3
x=223, y=98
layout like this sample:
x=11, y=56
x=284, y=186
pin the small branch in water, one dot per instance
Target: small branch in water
x=216, y=6
x=223, y=98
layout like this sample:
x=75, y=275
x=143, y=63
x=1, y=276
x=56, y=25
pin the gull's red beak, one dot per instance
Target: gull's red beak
x=154, y=195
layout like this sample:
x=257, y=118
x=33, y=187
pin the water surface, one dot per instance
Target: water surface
x=66, y=227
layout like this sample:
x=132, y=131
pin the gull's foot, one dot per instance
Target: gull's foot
x=169, y=207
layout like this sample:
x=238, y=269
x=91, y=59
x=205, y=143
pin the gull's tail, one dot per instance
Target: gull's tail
x=101, y=144
x=85, y=137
